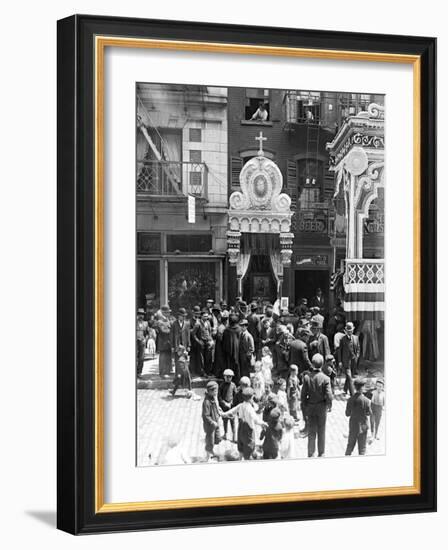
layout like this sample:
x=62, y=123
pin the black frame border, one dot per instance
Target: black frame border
x=76, y=262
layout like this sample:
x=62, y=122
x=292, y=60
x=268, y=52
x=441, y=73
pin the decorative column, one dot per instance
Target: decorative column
x=233, y=254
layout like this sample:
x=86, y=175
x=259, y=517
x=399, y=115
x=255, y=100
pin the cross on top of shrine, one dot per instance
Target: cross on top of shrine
x=260, y=139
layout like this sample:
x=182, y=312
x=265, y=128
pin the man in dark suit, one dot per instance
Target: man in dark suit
x=318, y=342
x=298, y=351
x=246, y=349
x=359, y=410
x=180, y=331
x=254, y=328
x=348, y=356
x=202, y=336
x=316, y=400
x=319, y=301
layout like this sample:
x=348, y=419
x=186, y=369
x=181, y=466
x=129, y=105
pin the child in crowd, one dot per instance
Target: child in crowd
x=226, y=395
x=174, y=454
x=151, y=342
x=210, y=418
x=293, y=390
x=182, y=377
x=329, y=369
x=258, y=383
x=266, y=364
x=247, y=420
x=288, y=445
x=281, y=395
x=270, y=402
x=377, y=403
x=244, y=383
x=272, y=435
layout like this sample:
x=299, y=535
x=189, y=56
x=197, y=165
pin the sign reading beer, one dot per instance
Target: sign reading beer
x=311, y=222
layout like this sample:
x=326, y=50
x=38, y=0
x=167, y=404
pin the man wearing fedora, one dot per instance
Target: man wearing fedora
x=142, y=328
x=163, y=329
x=246, y=349
x=298, y=351
x=348, y=356
x=180, y=331
x=318, y=342
x=195, y=360
x=316, y=398
x=359, y=411
x=202, y=336
x=254, y=328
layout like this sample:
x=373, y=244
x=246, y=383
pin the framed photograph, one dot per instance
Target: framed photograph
x=246, y=267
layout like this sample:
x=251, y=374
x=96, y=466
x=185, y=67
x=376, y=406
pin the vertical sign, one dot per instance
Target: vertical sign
x=191, y=209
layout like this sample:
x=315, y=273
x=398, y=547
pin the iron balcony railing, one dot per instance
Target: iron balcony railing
x=172, y=178
x=364, y=271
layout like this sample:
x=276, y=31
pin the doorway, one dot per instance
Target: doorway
x=308, y=280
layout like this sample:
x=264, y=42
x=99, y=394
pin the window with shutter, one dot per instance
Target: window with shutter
x=236, y=165
x=291, y=175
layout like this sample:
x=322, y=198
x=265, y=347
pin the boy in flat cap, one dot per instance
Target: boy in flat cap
x=182, y=376
x=226, y=395
x=210, y=418
x=247, y=420
x=359, y=410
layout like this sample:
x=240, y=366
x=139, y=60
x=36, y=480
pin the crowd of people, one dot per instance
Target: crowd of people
x=269, y=371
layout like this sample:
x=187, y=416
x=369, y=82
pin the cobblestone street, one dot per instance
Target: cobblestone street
x=160, y=416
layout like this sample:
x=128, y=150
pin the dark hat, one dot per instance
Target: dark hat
x=253, y=306
x=165, y=308
x=304, y=331
x=223, y=304
x=216, y=307
x=211, y=384
x=244, y=322
x=182, y=311
x=205, y=310
x=141, y=311
x=359, y=382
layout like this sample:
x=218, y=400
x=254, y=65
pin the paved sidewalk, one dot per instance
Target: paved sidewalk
x=161, y=416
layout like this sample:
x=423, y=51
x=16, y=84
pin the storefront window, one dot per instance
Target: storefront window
x=190, y=283
x=148, y=284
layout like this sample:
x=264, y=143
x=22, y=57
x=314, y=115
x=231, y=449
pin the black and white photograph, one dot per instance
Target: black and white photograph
x=260, y=274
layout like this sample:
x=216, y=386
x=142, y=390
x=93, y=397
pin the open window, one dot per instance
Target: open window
x=309, y=107
x=257, y=107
